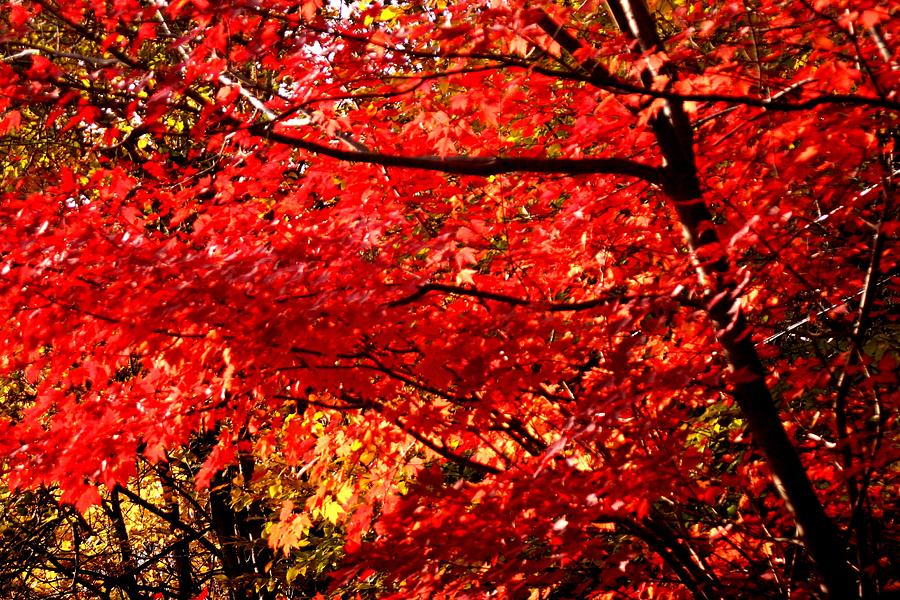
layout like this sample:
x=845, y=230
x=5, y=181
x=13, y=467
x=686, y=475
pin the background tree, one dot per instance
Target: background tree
x=158, y=536
x=589, y=301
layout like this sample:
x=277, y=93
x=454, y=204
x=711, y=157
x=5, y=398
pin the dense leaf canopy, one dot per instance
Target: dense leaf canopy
x=514, y=299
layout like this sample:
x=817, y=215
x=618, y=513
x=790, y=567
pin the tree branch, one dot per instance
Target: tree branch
x=468, y=165
x=605, y=299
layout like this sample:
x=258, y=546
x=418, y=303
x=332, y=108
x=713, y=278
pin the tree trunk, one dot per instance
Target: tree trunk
x=126, y=580
x=240, y=533
x=820, y=536
x=181, y=550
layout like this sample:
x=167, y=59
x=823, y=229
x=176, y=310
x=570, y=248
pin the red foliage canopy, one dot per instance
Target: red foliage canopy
x=536, y=269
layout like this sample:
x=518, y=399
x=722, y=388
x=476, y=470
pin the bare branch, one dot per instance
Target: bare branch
x=605, y=299
x=478, y=166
